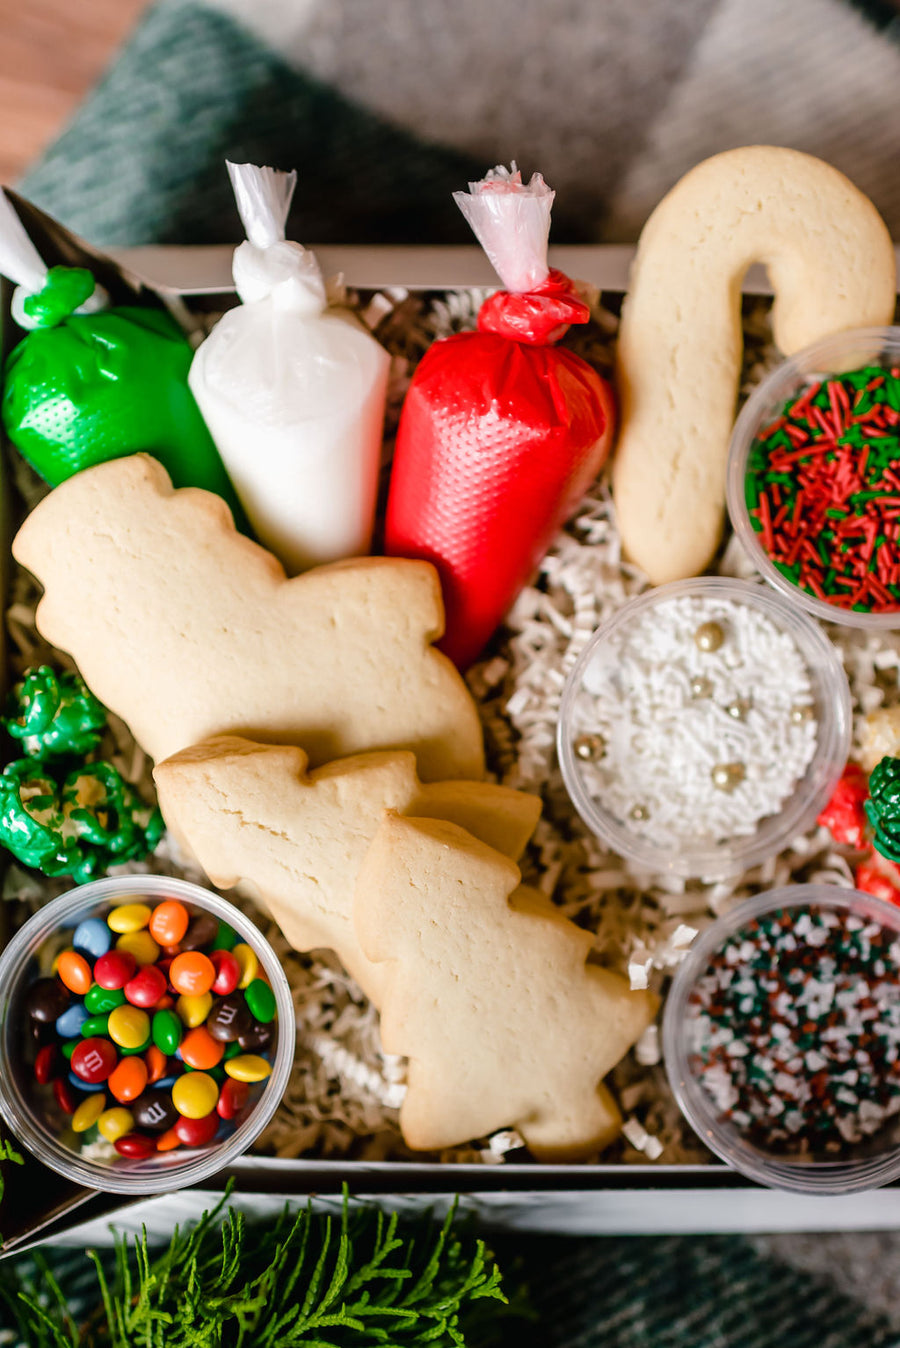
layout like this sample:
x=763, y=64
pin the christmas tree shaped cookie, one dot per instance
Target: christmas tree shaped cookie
x=186, y=629
x=489, y=995
x=250, y=814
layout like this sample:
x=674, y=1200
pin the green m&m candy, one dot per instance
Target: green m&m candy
x=166, y=1031
x=100, y=1001
x=260, y=1000
x=95, y=1025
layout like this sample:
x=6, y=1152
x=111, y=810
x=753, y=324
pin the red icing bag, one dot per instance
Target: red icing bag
x=501, y=433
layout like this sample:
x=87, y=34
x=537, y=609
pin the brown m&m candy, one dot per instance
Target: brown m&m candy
x=202, y=930
x=46, y=1000
x=258, y=1038
x=229, y=1018
x=154, y=1111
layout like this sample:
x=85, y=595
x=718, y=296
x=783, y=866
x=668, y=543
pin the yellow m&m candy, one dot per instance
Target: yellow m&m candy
x=192, y=1011
x=140, y=944
x=195, y=1094
x=246, y=958
x=88, y=1112
x=128, y=1026
x=115, y=1123
x=129, y=917
x=247, y=1067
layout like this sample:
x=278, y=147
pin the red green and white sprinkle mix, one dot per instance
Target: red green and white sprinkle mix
x=823, y=490
x=795, y=1030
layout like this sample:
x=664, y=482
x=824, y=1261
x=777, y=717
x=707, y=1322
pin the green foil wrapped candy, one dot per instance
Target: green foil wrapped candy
x=82, y=388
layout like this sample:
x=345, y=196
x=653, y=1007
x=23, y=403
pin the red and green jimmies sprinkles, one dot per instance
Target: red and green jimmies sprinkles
x=823, y=490
x=796, y=1033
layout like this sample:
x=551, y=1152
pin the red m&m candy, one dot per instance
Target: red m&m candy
x=46, y=1064
x=197, y=1132
x=228, y=972
x=136, y=1145
x=147, y=986
x=234, y=1096
x=114, y=969
x=94, y=1060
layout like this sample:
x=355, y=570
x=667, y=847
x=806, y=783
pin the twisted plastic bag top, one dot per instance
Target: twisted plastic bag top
x=267, y=264
x=511, y=221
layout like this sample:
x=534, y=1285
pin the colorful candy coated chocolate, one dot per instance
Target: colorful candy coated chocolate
x=194, y=1010
x=129, y=917
x=100, y=1001
x=225, y=937
x=79, y=1084
x=71, y=1022
x=140, y=944
x=92, y=937
x=46, y=1000
x=260, y=1000
x=128, y=1080
x=115, y=1123
x=229, y=1018
x=168, y=1141
x=94, y=1060
x=137, y=1048
x=169, y=922
x=146, y=987
x=246, y=958
x=232, y=1098
x=156, y=1063
x=228, y=972
x=74, y=972
x=65, y=1096
x=200, y=1050
x=154, y=1110
x=129, y=1026
x=197, y=1132
x=68, y=1048
x=135, y=1145
x=46, y=1064
x=114, y=969
x=195, y=1094
x=95, y=1025
x=201, y=931
x=258, y=1038
x=166, y=1029
x=248, y=1067
x=88, y=1112
x=192, y=973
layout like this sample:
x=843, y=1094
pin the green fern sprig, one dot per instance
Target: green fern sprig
x=309, y=1280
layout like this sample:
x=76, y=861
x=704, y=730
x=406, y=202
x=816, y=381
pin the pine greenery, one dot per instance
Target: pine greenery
x=319, y=1281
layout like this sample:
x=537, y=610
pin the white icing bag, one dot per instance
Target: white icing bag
x=293, y=393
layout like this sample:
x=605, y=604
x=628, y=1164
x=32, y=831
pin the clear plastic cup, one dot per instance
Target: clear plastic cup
x=833, y=711
x=835, y=355
x=36, y=1125
x=871, y=1163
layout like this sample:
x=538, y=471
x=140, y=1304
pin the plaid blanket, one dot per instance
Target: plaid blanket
x=385, y=107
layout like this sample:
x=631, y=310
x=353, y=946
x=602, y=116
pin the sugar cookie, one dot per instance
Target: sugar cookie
x=488, y=994
x=831, y=264
x=186, y=629
x=250, y=814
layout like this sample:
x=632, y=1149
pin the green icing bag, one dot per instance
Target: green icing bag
x=82, y=388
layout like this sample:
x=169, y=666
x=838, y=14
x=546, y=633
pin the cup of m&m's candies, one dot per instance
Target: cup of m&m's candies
x=146, y=1034
x=781, y=1039
x=813, y=480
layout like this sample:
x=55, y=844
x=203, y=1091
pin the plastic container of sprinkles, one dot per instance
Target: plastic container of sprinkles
x=813, y=481
x=786, y=1061
x=28, y=1108
x=702, y=750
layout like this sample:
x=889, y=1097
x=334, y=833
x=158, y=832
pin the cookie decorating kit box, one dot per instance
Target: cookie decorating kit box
x=620, y=1196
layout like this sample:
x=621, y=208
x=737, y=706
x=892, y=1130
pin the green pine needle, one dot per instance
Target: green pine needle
x=304, y=1281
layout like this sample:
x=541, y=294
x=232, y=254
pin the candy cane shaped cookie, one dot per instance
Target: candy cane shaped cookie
x=831, y=264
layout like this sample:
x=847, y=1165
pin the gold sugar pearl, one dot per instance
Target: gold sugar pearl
x=589, y=747
x=738, y=709
x=727, y=776
x=701, y=687
x=639, y=812
x=709, y=637
x=801, y=714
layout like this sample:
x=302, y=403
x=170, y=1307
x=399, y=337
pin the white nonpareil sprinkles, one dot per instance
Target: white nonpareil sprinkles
x=695, y=722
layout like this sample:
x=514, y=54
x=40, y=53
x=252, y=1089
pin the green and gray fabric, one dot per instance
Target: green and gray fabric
x=385, y=107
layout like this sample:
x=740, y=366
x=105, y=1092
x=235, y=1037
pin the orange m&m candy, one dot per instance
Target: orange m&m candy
x=192, y=973
x=128, y=1080
x=168, y=1140
x=75, y=972
x=156, y=1062
x=169, y=922
x=200, y=1050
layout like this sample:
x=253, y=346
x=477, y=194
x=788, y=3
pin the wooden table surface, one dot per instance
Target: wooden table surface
x=51, y=53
